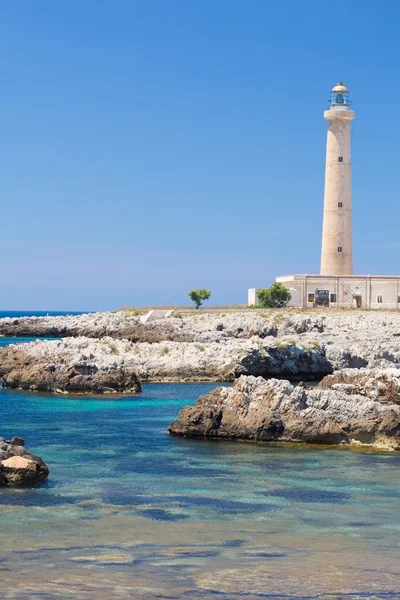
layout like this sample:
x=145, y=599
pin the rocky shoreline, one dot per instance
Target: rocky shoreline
x=18, y=467
x=127, y=325
x=355, y=353
x=84, y=365
x=69, y=366
x=260, y=410
x=203, y=347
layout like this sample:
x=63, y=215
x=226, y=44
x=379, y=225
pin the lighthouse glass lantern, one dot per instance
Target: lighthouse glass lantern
x=340, y=95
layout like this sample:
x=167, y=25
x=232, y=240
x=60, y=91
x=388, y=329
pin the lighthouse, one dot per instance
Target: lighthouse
x=336, y=285
x=337, y=251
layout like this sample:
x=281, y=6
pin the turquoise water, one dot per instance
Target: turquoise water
x=5, y=341
x=130, y=512
x=15, y=314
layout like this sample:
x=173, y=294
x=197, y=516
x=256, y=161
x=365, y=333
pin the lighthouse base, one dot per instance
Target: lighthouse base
x=358, y=291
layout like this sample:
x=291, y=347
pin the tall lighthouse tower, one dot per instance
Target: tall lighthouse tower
x=337, y=252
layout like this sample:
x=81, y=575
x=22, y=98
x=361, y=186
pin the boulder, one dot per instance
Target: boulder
x=17, y=441
x=18, y=471
x=18, y=467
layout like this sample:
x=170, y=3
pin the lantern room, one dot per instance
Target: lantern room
x=340, y=95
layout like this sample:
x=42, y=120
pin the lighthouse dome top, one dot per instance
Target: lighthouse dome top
x=339, y=87
x=340, y=95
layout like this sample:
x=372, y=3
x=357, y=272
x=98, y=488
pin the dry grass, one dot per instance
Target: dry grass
x=276, y=313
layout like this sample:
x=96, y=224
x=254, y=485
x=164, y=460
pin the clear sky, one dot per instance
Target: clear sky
x=150, y=147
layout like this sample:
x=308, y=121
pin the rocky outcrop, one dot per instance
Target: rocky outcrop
x=108, y=365
x=153, y=332
x=351, y=339
x=378, y=384
x=117, y=347
x=127, y=325
x=49, y=367
x=284, y=360
x=90, y=325
x=273, y=410
x=18, y=467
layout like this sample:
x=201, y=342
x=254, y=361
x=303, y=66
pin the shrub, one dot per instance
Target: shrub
x=276, y=296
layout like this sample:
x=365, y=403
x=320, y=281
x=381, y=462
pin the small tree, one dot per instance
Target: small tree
x=197, y=296
x=276, y=296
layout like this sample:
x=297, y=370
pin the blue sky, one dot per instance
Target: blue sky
x=151, y=147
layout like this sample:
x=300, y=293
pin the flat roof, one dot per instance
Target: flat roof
x=311, y=275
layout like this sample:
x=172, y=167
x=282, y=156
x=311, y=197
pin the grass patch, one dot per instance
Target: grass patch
x=113, y=347
x=281, y=345
x=131, y=311
x=261, y=350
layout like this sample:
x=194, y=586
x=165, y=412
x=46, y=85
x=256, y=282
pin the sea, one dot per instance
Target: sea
x=129, y=512
x=15, y=314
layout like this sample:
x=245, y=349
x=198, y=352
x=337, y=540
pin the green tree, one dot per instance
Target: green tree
x=276, y=296
x=197, y=296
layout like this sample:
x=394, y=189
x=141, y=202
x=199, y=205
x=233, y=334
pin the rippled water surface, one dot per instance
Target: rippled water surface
x=130, y=512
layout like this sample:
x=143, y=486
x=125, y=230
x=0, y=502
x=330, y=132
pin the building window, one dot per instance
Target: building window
x=340, y=158
x=379, y=299
x=310, y=297
x=339, y=249
x=333, y=297
x=340, y=204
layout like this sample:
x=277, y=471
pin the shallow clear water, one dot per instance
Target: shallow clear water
x=130, y=512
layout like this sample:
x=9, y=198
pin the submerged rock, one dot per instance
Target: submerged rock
x=273, y=410
x=18, y=467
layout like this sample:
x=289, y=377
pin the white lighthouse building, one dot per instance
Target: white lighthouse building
x=336, y=284
x=337, y=250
